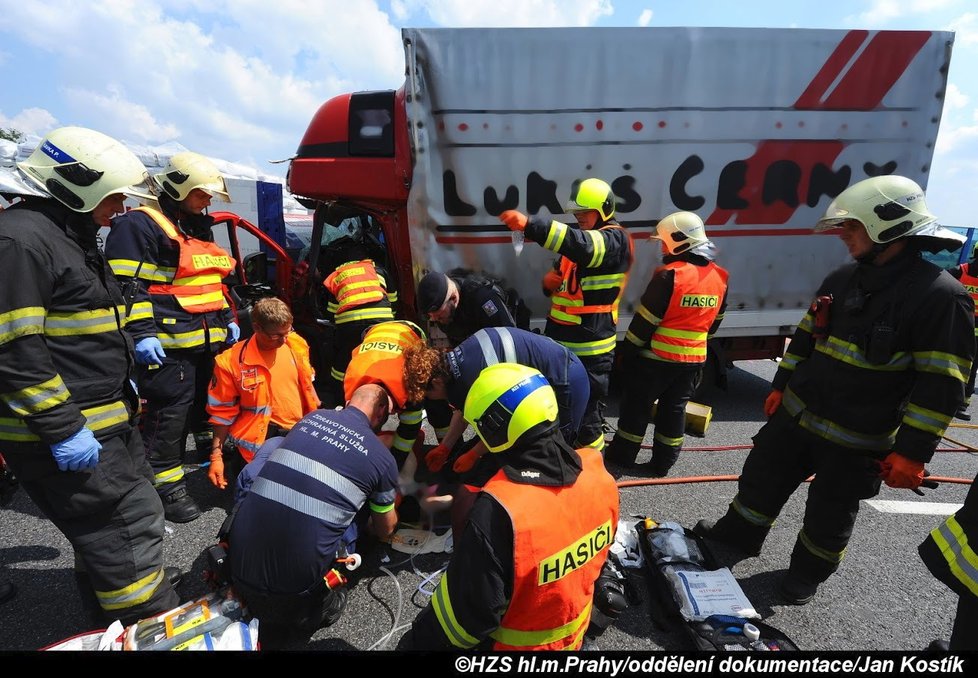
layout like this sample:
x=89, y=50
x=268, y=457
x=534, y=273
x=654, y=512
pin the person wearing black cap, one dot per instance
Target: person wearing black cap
x=462, y=302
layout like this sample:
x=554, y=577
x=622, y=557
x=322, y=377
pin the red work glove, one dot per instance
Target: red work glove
x=900, y=472
x=216, y=472
x=437, y=457
x=773, y=402
x=466, y=461
x=514, y=220
x=551, y=281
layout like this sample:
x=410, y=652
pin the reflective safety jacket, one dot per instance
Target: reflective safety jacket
x=240, y=391
x=174, y=281
x=967, y=278
x=358, y=292
x=693, y=313
x=65, y=360
x=555, y=562
x=891, y=373
x=593, y=269
x=950, y=552
x=379, y=359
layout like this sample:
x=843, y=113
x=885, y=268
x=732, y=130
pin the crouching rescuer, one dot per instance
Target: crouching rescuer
x=307, y=500
x=522, y=575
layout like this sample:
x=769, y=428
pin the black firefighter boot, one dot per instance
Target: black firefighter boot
x=804, y=575
x=733, y=531
x=178, y=505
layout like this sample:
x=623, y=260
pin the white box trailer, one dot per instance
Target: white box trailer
x=755, y=130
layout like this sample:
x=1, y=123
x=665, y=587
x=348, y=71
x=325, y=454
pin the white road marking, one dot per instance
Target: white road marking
x=925, y=508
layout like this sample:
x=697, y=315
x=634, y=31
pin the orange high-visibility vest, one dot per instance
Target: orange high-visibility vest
x=573, y=297
x=970, y=283
x=240, y=392
x=697, y=294
x=379, y=359
x=356, y=285
x=197, y=283
x=561, y=537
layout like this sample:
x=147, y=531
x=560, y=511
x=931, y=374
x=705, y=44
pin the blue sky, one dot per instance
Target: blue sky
x=240, y=79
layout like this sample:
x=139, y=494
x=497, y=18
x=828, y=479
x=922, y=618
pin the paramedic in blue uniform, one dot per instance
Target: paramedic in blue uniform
x=310, y=496
x=448, y=375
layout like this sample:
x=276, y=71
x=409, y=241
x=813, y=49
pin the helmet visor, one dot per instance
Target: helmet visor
x=142, y=191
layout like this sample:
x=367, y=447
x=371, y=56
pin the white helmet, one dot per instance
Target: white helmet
x=81, y=167
x=680, y=232
x=889, y=207
x=188, y=170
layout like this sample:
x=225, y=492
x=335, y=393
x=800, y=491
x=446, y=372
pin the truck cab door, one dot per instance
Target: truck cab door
x=262, y=267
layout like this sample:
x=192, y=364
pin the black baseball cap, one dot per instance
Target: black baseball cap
x=432, y=291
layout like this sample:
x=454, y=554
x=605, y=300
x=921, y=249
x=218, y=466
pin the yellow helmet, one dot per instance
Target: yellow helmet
x=81, y=167
x=680, y=231
x=592, y=194
x=188, y=170
x=506, y=402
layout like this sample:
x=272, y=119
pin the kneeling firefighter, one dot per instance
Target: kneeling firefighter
x=509, y=585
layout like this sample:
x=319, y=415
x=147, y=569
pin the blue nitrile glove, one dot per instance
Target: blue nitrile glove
x=149, y=351
x=78, y=452
x=234, y=332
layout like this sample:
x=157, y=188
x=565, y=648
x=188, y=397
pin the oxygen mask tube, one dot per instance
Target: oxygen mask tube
x=396, y=626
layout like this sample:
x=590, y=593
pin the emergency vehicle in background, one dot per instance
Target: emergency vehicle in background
x=755, y=130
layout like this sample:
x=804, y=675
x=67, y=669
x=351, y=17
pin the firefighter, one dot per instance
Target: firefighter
x=949, y=552
x=379, y=359
x=510, y=583
x=177, y=313
x=867, y=387
x=359, y=295
x=665, y=345
x=66, y=401
x=260, y=388
x=585, y=286
x=967, y=274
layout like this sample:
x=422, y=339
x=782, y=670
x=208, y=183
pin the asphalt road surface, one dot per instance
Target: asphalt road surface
x=882, y=598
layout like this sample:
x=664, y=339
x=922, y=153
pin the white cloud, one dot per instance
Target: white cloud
x=951, y=138
x=954, y=97
x=881, y=11
x=30, y=121
x=465, y=13
x=399, y=9
x=120, y=117
x=229, y=77
x=645, y=18
x=966, y=29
